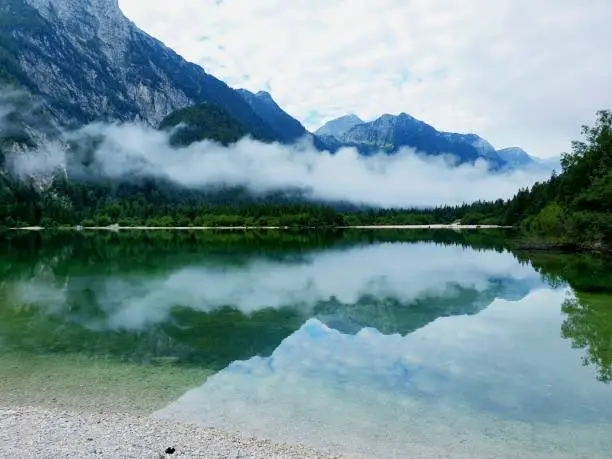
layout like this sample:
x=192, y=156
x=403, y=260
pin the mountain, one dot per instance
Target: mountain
x=286, y=128
x=515, y=156
x=88, y=62
x=390, y=133
x=338, y=127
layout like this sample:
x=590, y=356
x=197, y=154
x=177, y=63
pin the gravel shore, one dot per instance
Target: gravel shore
x=76, y=407
x=28, y=432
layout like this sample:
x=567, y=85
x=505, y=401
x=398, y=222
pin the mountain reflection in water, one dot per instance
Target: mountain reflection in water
x=358, y=343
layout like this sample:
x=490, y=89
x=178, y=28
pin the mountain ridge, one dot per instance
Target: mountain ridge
x=88, y=62
x=286, y=128
x=390, y=133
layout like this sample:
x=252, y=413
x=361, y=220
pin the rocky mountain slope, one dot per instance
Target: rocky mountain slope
x=390, y=133
x=88, y=62
x=286, y=128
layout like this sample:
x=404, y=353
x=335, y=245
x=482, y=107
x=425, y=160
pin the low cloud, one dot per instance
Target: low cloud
x=406, y=179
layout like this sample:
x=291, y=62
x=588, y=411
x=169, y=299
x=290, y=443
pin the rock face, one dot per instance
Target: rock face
x=286, y=128
x=88, y=62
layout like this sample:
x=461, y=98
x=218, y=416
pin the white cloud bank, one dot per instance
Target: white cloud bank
x=514, y=71
x=403, y=180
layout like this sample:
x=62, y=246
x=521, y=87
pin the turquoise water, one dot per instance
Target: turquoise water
x=380, y=346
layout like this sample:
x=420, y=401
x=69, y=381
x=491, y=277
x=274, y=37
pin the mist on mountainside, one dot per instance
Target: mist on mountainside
x=131, y=151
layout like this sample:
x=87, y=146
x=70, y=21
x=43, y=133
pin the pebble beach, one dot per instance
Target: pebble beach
x=31, y=432
x=77, y=407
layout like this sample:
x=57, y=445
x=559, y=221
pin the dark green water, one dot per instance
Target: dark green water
x=374, y=343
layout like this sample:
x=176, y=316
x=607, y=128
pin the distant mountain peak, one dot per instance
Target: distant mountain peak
x=352, y=116
x=516, y=151
x=516, y=157
x=287, y=129
x=405, y=115
x=264, y=95
x=261, y=96
x=339, y=126
x=402, y=118
x=390, y=133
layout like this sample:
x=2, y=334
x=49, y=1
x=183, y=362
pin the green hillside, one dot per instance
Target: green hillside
x=203, y=122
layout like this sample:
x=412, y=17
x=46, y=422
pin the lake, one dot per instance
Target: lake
x=382, y=344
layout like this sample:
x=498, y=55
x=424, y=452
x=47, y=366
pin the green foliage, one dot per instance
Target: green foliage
x=576, y=205
x=547, y=221
x=590, y=159
x=203, y=122
x=472, y=218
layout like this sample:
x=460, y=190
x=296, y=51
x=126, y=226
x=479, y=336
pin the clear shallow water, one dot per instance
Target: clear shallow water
x=381, y=348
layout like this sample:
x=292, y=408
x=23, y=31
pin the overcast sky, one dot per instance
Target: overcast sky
x=517, y=72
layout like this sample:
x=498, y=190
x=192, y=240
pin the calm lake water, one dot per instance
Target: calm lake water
x=381, y=344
